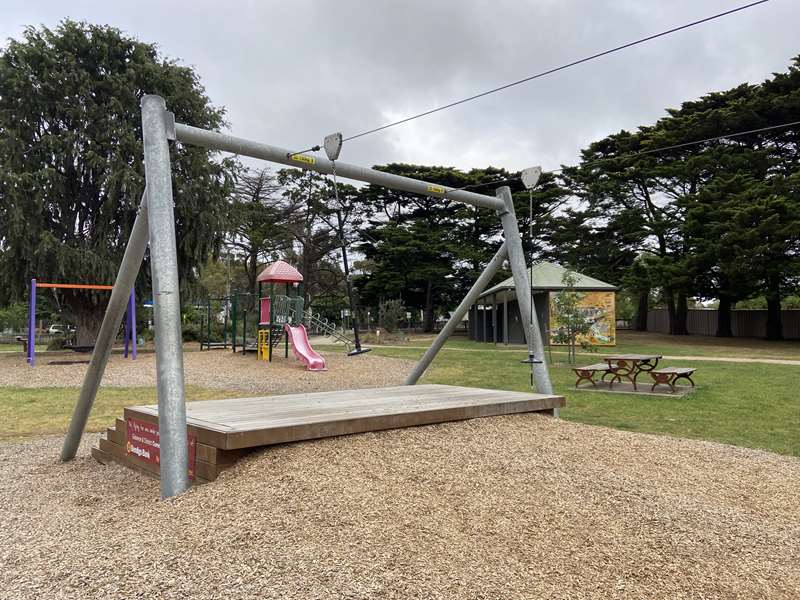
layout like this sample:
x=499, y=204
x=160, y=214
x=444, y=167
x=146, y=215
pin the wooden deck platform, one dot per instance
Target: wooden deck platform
x=224, y=430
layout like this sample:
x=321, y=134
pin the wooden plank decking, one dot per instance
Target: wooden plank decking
x=224, y=428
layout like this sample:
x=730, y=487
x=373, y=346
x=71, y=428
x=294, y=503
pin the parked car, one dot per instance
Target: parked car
x=56, y=329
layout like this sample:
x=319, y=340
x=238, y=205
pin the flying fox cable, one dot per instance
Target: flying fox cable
x=546, y=72
x=559, y=68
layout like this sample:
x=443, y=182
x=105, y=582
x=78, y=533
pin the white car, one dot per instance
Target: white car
x=60, y=329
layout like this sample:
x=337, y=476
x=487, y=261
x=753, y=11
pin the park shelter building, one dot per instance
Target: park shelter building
x=495, y=316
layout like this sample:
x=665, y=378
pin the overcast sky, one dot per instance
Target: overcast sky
x=289, y=73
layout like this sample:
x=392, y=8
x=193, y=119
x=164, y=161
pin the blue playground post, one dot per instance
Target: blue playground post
x=126, y=336
x=132, y=313
x=32, y=324
x=130, y=326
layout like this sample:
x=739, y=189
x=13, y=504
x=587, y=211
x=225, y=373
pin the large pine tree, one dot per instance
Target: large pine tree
x=71, y=172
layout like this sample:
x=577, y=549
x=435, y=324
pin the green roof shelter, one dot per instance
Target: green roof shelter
x=495, y=317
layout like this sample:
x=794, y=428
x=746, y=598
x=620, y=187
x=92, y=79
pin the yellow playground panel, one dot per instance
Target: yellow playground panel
x=262, y=347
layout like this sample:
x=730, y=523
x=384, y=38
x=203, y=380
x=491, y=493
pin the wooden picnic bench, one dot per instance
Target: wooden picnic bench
x=669, y=375
x=630, y=366
x=587, y=373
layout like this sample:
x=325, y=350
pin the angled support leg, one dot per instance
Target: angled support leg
x=126, y=277
x=522, y=284
x=470, y=299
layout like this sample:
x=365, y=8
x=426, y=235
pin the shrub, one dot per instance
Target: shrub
x=13, y=317
x=56, y=343
x=390, y=313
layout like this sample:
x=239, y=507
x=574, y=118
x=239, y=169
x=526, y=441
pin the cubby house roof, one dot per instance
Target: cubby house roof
x=280, y=272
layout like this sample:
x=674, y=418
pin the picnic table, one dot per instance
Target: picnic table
x=630, y=366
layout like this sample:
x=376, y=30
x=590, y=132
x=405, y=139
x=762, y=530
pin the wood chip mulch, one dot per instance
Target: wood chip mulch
x=509, y=507
x=220, y=369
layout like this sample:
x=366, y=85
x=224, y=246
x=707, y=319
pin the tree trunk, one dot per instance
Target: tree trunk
x=669, y=297
x=252, y=273
x=87, y=317
x=429, y=316
x=640, y=322
x=724, y=317
x=681, y=315
x=774, y=318
x=253, y=302
x=308, y=276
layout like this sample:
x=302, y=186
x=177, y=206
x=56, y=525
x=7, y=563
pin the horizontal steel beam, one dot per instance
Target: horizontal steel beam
x=229, y=143
x=74, y=286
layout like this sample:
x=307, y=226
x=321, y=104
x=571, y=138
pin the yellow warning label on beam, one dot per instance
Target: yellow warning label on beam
x=436, y=189
x=309, y=160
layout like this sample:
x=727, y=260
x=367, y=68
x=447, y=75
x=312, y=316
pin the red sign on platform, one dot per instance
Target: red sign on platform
x=143, y=442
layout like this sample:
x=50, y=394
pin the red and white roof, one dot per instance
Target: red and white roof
x=280, y=272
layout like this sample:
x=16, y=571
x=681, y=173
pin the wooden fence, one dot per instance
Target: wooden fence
x=744, y=323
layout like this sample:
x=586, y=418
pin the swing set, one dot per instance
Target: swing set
x=130, y=320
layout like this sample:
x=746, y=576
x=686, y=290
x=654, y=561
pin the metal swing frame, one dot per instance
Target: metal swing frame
x=155, y=224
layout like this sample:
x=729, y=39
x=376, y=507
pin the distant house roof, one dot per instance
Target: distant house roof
x=547, y=276
x=280, y=272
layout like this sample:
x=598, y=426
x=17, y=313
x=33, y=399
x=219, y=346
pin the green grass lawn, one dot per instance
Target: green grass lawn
x=18, y=348
x=752, y=405
x=656, y=343
x=26, y=411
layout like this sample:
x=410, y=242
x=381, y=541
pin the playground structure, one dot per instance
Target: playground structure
x=206, y=319
x=237, y=314
x=130, y=320
x=282, y=317
x=155, y=225
x=277, y=311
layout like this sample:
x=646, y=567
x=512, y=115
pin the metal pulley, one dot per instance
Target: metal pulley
x=529, y=176
x=333, y=145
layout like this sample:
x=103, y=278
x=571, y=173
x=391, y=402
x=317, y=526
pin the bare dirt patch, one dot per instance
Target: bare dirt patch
x=507, y=507
x=219, y=369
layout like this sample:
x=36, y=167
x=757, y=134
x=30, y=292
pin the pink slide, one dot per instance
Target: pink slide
x=303, y=350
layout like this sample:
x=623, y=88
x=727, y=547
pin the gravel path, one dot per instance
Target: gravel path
x=506, y=507
x=218, y=369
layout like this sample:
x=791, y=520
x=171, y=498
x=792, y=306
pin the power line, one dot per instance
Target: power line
x=682, y=145
x=639, y=153
x=485, y=183
x=556, y=69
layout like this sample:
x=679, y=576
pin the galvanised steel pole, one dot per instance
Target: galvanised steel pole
x=166, y=298
x=470, y=299
x=243, y=147
x=522, y=284
x=126, y=277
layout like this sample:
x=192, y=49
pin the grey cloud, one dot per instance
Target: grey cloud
x=291, y=72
